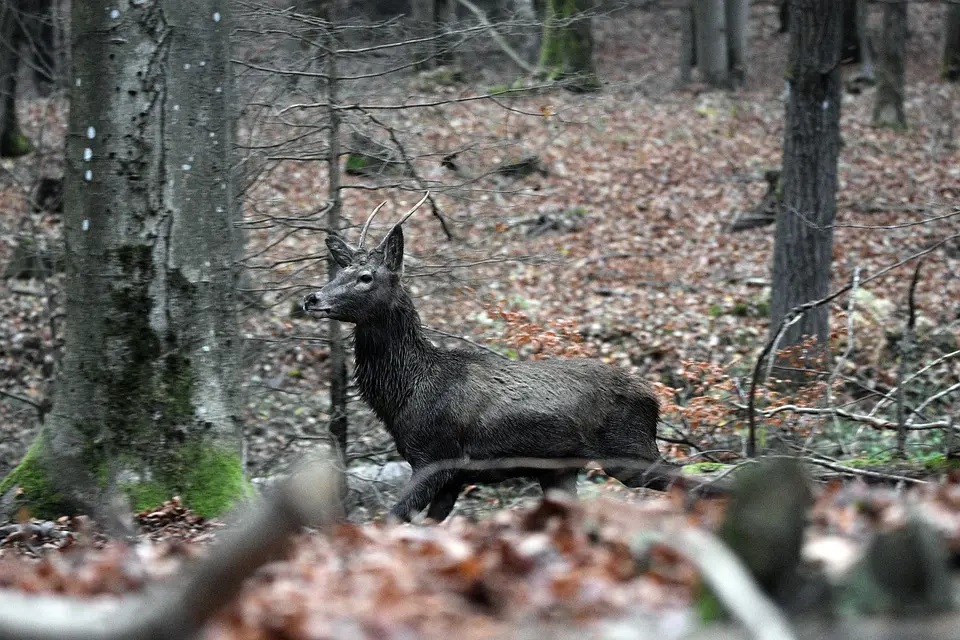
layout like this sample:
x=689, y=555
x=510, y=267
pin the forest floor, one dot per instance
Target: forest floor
x=622, y=250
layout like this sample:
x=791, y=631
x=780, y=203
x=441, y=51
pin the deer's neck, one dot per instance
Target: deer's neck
x=392, y=355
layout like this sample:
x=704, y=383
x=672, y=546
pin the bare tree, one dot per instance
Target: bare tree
x=715, y=37
x=950, y=67
x=147, y=398
x=888, y=106
x=738, y=38
x=712, y=49
x=566, y=51
x=803, y=246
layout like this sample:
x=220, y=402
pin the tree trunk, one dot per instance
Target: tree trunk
x=424, y=15
x=147, y=399
x=688, y=44
x=950, y=69
x=338, y=352
x=888, y=106
x=803, y=245
x=566, y=52
x=12, y=141
x=712, y=52
x=40, y=31
x=526, y=11
x=738, y=39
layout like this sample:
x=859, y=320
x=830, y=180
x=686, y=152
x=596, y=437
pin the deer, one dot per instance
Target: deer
x=460, y=406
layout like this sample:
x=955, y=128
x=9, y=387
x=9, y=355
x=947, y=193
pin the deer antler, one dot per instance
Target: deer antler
x=414, y=209
x=366, y=225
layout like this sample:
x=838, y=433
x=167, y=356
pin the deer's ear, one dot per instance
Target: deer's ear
x=393, y=249
x=340, y=250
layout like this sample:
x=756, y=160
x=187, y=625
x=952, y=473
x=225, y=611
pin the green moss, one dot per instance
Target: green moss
x=565, y=53
x=15, y=145
x=704, y=467
x=939, y=463
x=207, y=478
x=358, y=164
x=146, y=495
x=38, y=493
x=212, y=479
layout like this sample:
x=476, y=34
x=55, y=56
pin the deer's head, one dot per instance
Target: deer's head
x=368, y=281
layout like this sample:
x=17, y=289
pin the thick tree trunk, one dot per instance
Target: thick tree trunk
x=147, y=398
x=566, y=52
x=738, y=39
x=712, y=51
x=803, y=246
x=12, y=141
x=888, y=106
x=950, y=69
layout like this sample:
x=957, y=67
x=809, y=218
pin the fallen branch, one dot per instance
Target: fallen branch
x=797, y=312
x=732, y=584
x=308, y=497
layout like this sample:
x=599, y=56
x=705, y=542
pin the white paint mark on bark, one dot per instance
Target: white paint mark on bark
x=203, y=63
x=86, y=224
x=186, y=65
x=176, y=107
x=115, y=14
x=219, y=90
x=87, y=154
x=216, y=16
x=206, y=348
x=78, y=82
x=187, y=167
x=88, y=175
x=91, y=133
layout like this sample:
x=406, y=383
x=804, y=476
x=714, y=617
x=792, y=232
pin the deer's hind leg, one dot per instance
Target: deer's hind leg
x=562, y=479
x=443, y=501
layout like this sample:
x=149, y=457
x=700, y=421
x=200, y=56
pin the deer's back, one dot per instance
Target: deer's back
x=490, y=407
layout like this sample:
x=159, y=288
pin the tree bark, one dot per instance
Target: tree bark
x=688, y=44
x=738, y=39
x=12, y=141
x=712, y=51
x=803, y=245
x=950, y=69
x=888, y=106
x=566, y=52
x=40, y=34
x=147, y=400
x=338, y=352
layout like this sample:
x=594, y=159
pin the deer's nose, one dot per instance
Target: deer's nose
x=309, y=300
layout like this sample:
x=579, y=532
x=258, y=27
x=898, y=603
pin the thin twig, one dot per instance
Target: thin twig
x=802, y=309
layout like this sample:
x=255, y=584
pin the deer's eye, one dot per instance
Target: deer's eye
x=365, y=278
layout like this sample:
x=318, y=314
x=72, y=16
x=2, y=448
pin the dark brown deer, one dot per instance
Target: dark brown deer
x=466, y=406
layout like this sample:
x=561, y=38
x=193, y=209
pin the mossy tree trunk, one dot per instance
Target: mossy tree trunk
x=888, y=105
x=950, y=68
x=803, y=244
x=566, y=49
x=12, y=141
x=147, y=397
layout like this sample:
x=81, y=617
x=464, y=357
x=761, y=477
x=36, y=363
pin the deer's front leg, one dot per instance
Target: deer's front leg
x=424, y=487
